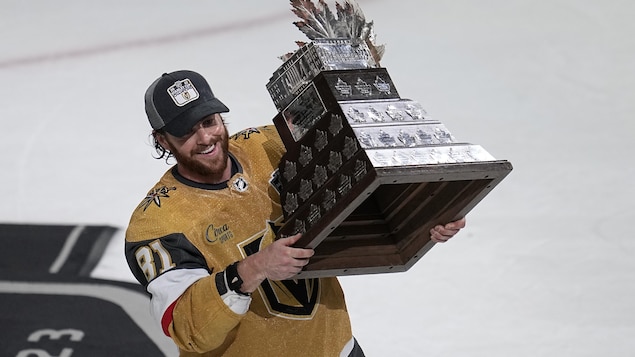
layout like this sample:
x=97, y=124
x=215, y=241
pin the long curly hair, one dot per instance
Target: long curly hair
x=161, y=152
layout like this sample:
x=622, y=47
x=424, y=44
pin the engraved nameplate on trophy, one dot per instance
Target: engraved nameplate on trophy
x=313, y=58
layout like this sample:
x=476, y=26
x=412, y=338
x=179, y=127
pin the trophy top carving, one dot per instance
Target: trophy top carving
x=340, y=40
x=347, y=22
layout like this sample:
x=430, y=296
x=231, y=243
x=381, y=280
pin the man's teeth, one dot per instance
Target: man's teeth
x=210, y=149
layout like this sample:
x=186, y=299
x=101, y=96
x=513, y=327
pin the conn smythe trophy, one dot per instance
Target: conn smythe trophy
x=366, y=173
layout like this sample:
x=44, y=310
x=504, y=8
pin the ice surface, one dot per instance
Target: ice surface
x=545, y=266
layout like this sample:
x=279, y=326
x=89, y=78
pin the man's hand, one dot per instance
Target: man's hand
x=277, y=261
x=441, y=234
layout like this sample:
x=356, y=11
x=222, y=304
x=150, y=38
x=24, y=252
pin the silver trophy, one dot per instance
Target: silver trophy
x=366, y=173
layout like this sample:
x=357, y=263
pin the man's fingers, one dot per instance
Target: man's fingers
x=456, y=225
x=296, y=253
x=289, y=241
x=438, y=237
x=442, y=233
x=302, y=253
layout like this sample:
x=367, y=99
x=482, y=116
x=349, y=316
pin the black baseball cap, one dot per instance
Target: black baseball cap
x=178, y=100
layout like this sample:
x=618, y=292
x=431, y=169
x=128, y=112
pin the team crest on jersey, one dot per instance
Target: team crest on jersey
x=240, y=184
x=155, y=196
x=245, y=133
x=291, y=299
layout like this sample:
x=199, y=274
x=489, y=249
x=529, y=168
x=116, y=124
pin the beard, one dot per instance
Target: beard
x=212, y=170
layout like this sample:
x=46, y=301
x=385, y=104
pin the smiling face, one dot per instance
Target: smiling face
x=202, y=154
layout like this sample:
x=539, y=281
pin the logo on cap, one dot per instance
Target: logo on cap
x=183, y=92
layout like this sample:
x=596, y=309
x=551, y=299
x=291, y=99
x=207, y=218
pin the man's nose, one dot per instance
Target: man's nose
x=204, y=133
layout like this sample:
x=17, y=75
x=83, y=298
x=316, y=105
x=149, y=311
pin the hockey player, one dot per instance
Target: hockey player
x=203, y=239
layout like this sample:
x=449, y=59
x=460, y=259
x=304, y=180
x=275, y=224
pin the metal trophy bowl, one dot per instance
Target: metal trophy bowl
x=366, y=173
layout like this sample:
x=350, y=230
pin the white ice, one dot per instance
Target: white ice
x=545, y=266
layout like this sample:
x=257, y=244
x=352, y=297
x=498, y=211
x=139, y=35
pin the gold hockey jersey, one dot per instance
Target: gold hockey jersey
x=183, y=233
